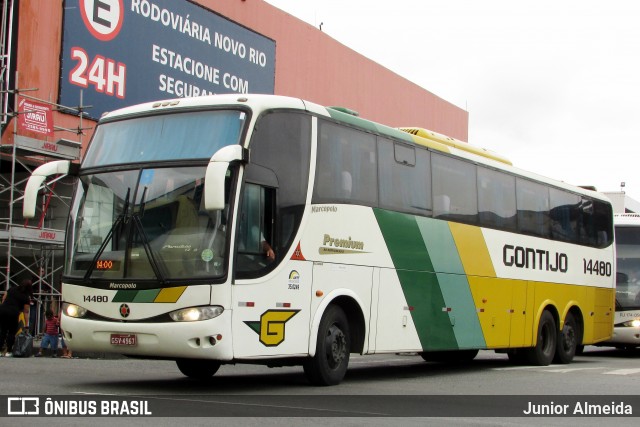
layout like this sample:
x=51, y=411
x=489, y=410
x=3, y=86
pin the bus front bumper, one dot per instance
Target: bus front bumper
x=207, y=339
x=624, y=336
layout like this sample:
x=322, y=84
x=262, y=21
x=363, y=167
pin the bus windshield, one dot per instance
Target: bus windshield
x=628, y=262
x=177, y=136
x=142, y=224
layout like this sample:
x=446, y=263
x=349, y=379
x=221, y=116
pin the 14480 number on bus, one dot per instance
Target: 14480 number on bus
x=595, y=267
x=95, y=298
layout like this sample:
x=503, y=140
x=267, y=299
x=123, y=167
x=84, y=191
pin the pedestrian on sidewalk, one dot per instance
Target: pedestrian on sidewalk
x=50, y=338
x=15, y=301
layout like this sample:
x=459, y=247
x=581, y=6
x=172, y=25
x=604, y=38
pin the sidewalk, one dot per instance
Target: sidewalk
x=76, y=355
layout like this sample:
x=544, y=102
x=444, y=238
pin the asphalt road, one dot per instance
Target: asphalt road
x=378, y=390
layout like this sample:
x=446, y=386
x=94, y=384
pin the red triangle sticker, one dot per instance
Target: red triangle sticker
x=297, y=254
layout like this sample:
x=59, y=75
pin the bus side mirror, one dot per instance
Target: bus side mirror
x=217, y=172
x=58, y=167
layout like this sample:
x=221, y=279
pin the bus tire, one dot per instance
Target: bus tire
x=544, y=351
x=198, y=369
x=568, y=340
x=329, y=365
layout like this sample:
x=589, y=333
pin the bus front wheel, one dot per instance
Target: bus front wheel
x=329, y=365
x=544, y=351
x=198, y=369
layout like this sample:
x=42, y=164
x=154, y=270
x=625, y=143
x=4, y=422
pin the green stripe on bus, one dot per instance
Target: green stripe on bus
x=148, y=295
x=423, y=294
x=404, y=241
x=419, y=283
x=125, y=295
x=453, y=282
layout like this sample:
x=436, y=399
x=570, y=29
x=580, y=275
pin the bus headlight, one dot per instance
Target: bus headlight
x=194, y=314
x=635, y=323
x=73, y=310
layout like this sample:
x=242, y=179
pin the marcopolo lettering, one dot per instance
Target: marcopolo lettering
x=122, y=285
x=534, y=259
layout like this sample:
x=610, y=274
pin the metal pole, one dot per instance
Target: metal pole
x=7, y=28
x=11, y=194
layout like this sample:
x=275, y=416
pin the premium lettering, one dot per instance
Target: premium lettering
x=342, y=243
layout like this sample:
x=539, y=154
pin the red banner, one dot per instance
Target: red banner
x=35, y=116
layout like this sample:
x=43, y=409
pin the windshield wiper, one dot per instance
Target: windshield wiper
x=143, y=202
x=120, y=220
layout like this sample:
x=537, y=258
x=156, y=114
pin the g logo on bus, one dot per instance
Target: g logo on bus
x=270, y=327
x=124, y=310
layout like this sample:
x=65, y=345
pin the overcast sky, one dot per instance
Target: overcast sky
x=554, y=85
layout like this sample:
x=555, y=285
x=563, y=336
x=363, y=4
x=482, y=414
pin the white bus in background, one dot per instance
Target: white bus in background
x=626, y=332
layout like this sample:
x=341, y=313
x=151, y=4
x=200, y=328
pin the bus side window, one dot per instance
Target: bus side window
x=347, y=166
x=532, y=200
x=255, y=230
x=250, y=220
x=455, y=191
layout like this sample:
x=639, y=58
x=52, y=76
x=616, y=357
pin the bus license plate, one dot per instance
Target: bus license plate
x=123, y=339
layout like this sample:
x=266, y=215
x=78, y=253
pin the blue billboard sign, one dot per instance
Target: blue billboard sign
x=123, y=52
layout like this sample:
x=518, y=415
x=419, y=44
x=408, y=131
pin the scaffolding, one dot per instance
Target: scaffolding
x=35, y=249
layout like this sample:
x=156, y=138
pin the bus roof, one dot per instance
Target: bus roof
x=626, y=219
x=452, y=142
x=412, y=135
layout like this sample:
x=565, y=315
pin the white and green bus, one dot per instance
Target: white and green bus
x=626, y=331
x=271, y=230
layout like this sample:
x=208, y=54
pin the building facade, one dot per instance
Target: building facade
x=65, y=62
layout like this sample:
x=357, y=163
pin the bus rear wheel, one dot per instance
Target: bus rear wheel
x=568, y=339
x=544, y=351
x=198, y=369
x=329, y=365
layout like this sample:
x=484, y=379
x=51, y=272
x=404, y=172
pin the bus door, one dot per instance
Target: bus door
x=271, y=294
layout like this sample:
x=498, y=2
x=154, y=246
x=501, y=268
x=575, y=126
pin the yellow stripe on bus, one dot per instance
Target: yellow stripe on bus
x=472, y=250
x=170, y=294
